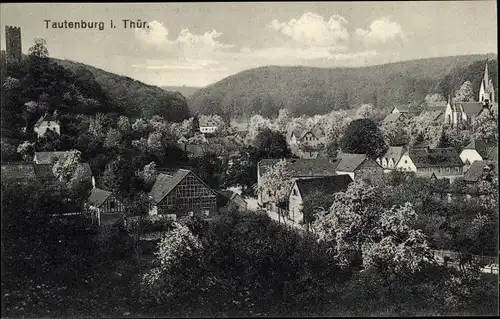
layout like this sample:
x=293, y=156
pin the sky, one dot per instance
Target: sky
x=196, y=44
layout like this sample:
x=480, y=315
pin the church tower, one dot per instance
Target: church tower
x=487, y=92
x=13, y=50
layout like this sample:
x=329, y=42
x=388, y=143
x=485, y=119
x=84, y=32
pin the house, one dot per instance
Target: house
x=207, y=125
x=105, y=207
x=310, y=137
x=302, y=188
x=180, y=194
x=477, y=150
x=400, y=109
x=389, y=160
x=24, y=172
x=359, y=166
x=48, y=157
x=229, y=201
x=463, y=113
x=395, y=117
x=435, y=163
x=478, y=169
x=48, y=122
x=298, y=167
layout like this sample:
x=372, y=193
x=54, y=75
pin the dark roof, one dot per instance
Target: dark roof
x=469, y=108
x=438, y=157
x=49, y=157
x=206, y=121
x=394, y=153
x=393, y=117
x=18, y=171
x=195, y=150
x=479, y=146
x=493, y=153
x=166, y=183
x=436, y=114
x=44, y=171
x=350, y=162
x=224, y=196
x=303, y=167
x=326, y=184
x=98, y=197
x=476, y=170
x=436, y=106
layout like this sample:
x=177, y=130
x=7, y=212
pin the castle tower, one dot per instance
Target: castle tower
x=487, y=91
x=13, y=50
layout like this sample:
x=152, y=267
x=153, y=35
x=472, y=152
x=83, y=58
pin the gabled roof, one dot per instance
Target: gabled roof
x=492, y=153
x=49, y=157
x=476, y=170
x=436, y=106
x=402, y=108
x=438, y=157
x=98, y=197
x=224, y=196
x=326, y=184
x=303, y=167
x=297, y=132
x=479, y=146
x=393, y=117
x=350, y=162
x=469, y=108
x=394, y=153
x=205, y=121
x=166, y=183
x=44, y=171
x=436, y=114
x=46, y=118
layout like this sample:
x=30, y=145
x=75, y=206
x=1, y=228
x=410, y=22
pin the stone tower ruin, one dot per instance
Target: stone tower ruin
x=13, y=50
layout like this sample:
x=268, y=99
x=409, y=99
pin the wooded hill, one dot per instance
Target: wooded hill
x=308, y=90
x=134, y=98
x=187, y=91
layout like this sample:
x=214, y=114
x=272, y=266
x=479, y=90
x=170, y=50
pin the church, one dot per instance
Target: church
x=463, y=113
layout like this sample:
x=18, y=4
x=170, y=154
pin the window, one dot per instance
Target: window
x=112, y=204
x=406, y=162
x=448, y=169
x=295, y=192
x=457, y=169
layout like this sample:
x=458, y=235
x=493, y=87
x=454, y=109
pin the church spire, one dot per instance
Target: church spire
x=486, y=74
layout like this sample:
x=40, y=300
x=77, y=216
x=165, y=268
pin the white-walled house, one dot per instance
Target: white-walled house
x=436, y=163
x=303, y=187
x=477, y=150
x=207, y=125
x=389, y=160
x=46, y=123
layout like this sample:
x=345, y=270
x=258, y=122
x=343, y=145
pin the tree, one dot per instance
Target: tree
x=26, y=149
x=148, y=174
x=394, y=133
x=314, y=203
x=281, y=122
x=485, y=126
x=349, y=221
x=272, y=144
x=276, y=181
x=434, y=97
x=363, y=137
x=113, y=139
x=465, y=93
x=124, y=125
x=65, y=168
x=365, y=111
x=39, y=49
